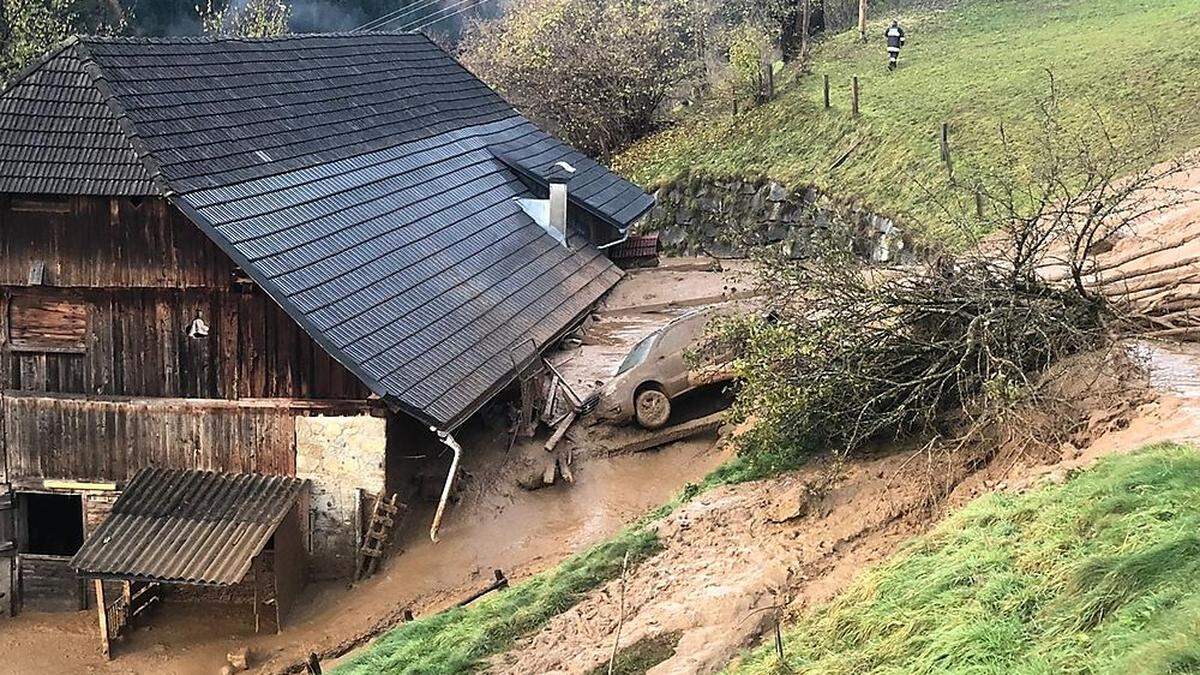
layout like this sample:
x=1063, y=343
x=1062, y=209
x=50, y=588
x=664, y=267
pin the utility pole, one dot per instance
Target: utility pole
x=862, y=19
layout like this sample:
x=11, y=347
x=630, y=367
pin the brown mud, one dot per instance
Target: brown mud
x=734, y=554
x=493, y=524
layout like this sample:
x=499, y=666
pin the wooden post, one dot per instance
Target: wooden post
x=862, y=19
x=770, y=81
x=102, y=612
x=827, y=106
x=945, y=146
x=854, y=96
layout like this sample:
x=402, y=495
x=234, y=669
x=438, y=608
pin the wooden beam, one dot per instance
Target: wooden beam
x=102, y=612
x=78, y=485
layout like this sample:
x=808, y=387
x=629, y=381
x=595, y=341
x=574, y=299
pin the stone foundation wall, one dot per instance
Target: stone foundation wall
x=344, y=458
x=727, y=218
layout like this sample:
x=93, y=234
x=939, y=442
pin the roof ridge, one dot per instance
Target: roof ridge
x=205, y=39
x=96, y=72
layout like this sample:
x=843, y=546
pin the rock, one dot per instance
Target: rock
x=227, y=670
x=776, y=192
x=684, y=217
x=672, y=236
x=1056, y=477
x=776, y=232
x=239, y=659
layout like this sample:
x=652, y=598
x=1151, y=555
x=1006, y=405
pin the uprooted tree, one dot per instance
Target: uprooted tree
x=847, y=354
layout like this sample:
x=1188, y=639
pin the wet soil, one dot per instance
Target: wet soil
x=734, y=554
x=493, y=524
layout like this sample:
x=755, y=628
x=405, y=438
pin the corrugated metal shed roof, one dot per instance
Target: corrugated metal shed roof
x=355, y=178
x=188, y=527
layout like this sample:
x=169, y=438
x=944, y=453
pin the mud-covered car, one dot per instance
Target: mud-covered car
x=657, y=371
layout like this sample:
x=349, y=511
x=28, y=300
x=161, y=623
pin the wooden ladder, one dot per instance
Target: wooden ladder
x=383, y=519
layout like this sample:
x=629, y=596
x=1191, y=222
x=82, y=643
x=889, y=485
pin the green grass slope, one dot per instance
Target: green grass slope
x=978, y=65
x=1100, y=575
x=458, y=640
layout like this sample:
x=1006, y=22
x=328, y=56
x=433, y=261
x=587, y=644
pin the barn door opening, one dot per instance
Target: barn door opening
x=49, y=532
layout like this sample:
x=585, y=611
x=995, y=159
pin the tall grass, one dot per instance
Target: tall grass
x=1100, y=575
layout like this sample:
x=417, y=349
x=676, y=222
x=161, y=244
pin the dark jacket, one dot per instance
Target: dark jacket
x=895, y=37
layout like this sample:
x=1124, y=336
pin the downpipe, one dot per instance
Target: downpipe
x=448, y=441
x=622, y=240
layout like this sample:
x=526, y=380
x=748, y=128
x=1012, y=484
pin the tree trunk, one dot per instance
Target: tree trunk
x=805, y=17
x=862, y=19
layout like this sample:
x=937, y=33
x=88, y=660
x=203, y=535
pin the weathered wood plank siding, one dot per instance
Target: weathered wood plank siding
x=48, y=584
x=50, y=437
x=100, y=243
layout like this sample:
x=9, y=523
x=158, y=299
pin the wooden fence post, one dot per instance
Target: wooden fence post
x=770, y=81
x=854, y=96
x=827, y=92
x=944, y=143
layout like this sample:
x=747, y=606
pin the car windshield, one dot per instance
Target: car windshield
x=638, y=353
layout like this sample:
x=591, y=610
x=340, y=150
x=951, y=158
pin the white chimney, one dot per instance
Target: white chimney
x=560, y=174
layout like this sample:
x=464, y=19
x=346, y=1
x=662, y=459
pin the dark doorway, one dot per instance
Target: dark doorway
x=53, y=523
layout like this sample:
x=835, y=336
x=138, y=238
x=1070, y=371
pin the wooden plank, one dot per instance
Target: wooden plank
x=102, y=615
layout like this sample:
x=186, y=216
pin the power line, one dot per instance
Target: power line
x=397, y=14
x=473, y=4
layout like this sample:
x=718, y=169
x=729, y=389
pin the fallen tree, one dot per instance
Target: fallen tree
x=847, y=354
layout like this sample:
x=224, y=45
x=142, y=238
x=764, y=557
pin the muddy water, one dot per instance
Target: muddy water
x=494, y=524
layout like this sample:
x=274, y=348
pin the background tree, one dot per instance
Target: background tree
x=252, y=18
x=594, y=71
x=29, y=28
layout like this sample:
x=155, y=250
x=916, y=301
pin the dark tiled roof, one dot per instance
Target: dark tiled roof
x=194, y=527
x=59, y=136
x=355, y=177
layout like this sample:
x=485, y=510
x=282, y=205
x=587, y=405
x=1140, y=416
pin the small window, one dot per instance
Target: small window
x=47, y=324
x=48, y=204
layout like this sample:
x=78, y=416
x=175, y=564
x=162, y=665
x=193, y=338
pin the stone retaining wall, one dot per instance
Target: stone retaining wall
x=727, y=218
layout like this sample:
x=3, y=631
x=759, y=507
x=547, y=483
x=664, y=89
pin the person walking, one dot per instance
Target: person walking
x=895, y=40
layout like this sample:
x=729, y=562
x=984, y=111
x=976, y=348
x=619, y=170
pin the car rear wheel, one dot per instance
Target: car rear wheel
x=652, y=408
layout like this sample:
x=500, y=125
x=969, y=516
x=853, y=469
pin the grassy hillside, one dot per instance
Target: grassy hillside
x=457, y=640
x=1095, y=576
x=981, y=64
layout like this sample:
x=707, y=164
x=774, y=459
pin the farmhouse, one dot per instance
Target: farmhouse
x=242, y=276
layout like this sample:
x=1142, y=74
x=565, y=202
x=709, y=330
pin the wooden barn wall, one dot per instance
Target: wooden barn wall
x=103, y=242
x=63, y=438
x=137, y=345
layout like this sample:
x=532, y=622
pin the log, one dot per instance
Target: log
x=671, y=434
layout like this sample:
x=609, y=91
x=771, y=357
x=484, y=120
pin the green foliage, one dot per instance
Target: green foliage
x=595, y=71
x=457, y=640
x=252, y=18
x=976, y=65
x=749, y=58
x=29, y=28
x=1094, y=576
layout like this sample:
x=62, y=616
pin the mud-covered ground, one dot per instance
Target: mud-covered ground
x=735, y=553
x=494, y=524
